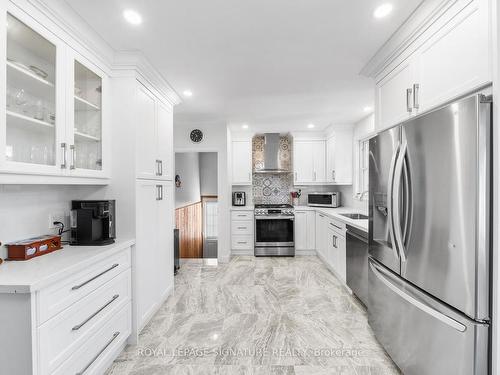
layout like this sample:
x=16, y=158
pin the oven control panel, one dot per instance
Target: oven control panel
x=274, y=212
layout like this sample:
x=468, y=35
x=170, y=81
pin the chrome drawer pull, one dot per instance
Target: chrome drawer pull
x=242, y=243
x=78, y=326
x=76, y=287
x=242, y=227
x=336, y=226
x=115, y=335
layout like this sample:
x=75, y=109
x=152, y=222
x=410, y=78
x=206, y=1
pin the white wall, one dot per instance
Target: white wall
x=187, y=166
x=25, y=209
x=215, y=140
x=208, y=173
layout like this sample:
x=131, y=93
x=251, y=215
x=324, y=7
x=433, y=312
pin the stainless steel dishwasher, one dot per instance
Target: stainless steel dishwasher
x=357, y=262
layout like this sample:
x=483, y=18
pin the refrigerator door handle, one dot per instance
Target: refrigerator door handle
x=408, y=202
x=396, y=209
x=421, y=305
x=390, y=201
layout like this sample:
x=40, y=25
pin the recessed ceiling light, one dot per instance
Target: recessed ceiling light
x=244, y=126
x=382, y=10
x=310, y=126
x=368, y=109
x=187, y=93
x=132, y=17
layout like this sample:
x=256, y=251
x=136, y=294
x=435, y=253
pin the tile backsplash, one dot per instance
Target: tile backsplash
x=272, y=188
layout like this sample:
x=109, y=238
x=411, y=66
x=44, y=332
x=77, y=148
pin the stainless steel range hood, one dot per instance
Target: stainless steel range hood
x=271, y=160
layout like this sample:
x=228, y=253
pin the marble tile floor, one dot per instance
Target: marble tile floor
x=257, y=316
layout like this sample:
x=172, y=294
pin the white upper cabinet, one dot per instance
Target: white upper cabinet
x=309, y=161
x=147, y=166
x=455, y=59
x=450, y=58
x=394, y=95
x=242, y=162
x=54, y=108
x=339, y=157
x=154, y=137
x=165, y=141
x=323, y=162
x=33, y=131
x=89, y=145
x=303, y=162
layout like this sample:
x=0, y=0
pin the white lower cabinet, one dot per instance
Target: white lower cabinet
x=331, y=244
x=242, y=232
x=154, y=248
x=77, y=323
x=305, y=236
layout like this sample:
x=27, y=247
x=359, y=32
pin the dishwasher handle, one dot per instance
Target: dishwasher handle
x=357, y=236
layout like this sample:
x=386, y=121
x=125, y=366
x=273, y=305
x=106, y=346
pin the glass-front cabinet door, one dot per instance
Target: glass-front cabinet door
x=32, y=137
x=88, y=119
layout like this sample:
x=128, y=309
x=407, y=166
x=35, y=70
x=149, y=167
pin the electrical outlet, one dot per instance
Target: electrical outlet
x=59, y=216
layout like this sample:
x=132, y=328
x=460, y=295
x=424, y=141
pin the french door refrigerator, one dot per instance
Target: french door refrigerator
x=429, y=241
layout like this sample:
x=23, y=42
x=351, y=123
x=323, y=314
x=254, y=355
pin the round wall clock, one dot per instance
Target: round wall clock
x=196, y=135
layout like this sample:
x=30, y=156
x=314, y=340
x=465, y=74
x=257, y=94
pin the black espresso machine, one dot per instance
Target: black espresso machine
x=92, y=223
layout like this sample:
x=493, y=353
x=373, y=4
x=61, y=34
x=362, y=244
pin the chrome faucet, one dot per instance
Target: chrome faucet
x=362, y=194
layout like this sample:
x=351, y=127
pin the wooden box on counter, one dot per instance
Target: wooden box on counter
x=33, y=247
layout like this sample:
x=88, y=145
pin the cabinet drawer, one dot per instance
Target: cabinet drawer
x=65, y=332
x=241, y=215
x=60, y=296
x=96, y=352
x=242, y=242
x=241, y=228
x=337, y=226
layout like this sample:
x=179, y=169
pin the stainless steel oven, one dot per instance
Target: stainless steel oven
x=274, y=230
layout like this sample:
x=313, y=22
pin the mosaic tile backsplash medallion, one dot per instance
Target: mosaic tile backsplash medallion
x=272, y=188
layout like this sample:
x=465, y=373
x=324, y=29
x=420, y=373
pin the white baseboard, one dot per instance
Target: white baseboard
x=305, y=252
x=238, y=252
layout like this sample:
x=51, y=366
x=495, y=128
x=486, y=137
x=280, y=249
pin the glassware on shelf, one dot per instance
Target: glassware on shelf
x=31, y=63
x=20, y=100
x=40, y=111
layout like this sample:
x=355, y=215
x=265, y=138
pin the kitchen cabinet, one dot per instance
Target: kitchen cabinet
x=331, y=244
x=309, y=161
x=154, y=236
x=242, y=162
x=455, y=60
x=154, y=137
x=55, y=107
x=68, y=315
x=450, y=58
x=305, y=230
x=320, y=237
x=242, y=232
x=339, y=166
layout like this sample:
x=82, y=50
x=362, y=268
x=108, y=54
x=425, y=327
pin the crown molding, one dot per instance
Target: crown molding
x=417, y=23
x=135, y=61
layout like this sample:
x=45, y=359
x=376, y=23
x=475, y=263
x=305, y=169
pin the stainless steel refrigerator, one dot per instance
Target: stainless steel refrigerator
x=429, y=241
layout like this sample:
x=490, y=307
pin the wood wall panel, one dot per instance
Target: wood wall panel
x=189, y=221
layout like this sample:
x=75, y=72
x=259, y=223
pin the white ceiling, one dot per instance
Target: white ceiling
x=274, y=64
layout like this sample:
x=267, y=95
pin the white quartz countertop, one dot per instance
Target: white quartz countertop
x=31, y=275
x=335, y=213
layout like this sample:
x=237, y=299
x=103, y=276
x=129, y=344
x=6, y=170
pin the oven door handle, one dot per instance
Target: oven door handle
x=274, y=218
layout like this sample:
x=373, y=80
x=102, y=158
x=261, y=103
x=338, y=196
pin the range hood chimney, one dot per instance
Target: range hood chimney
x=272, y=154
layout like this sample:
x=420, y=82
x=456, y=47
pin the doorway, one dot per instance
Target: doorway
x=196, y=204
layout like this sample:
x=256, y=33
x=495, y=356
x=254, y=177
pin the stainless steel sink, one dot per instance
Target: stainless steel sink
x=355, y=216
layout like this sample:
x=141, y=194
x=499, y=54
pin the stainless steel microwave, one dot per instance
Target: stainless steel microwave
x=330, y=199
